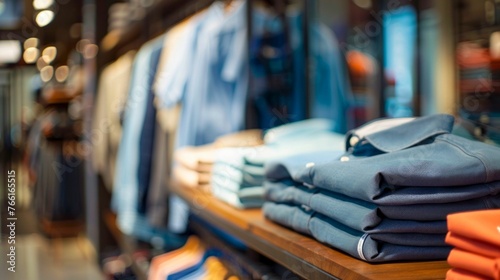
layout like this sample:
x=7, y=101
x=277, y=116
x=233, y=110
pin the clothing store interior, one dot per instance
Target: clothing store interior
x=249, y=139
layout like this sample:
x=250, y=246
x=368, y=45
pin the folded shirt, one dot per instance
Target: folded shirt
x=190, y=178
x=306, y=143
x=460, y=274
x=365, y=246
x=416, y=162
x=481, y=265
x=478, y=225
x=240, y=168
x=244, y=138
x=246, y=174
x=473, y=245
x=199, y=159
x=247, y=198
x=284, y=133
x=230, y=184
x=366, y=216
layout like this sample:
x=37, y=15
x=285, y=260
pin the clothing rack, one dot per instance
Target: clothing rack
x=157, y=20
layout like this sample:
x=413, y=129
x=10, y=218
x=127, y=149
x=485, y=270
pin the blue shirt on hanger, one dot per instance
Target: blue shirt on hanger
x=126, y=187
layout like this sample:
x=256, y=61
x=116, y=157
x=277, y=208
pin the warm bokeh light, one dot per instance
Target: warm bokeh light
x=49, y=54
x=30, y=55
x=90, y=51
x=62, y=73
x=31, y=43
x=80, y=45
x=42, y=4
x=40, y=63
x=46, y=73
x=44, y=17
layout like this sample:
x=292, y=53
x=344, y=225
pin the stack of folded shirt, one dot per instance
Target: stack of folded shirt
x=475, y=236
x=238, y=173
x=235, y=183
x=387, y=197
x=193, y=166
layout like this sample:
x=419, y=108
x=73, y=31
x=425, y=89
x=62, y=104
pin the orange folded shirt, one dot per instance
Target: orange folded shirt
x=487, y=267
x=481, y=225
x=472, y=245
x=460, y=274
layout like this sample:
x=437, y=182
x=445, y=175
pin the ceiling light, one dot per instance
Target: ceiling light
x=62, y=73
x=31, y=43
x=49, y=54
x=30, y=55
x=46, y=73
x=42, y=4
x=44, y=17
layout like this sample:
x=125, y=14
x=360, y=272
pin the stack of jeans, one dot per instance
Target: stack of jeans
x=387, y=197
x=238, y=173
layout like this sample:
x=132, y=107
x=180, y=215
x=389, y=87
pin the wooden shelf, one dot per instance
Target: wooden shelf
x=301, y=254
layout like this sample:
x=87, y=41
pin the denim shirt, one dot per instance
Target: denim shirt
x=418, y=158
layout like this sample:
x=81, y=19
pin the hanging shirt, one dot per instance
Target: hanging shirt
x=331, y=91
x=106, y=126
x=213, y=103
x=214, y=95
x=126, y=183
x=181, y=69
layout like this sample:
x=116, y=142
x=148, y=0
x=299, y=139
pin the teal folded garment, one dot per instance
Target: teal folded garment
x=244, y=198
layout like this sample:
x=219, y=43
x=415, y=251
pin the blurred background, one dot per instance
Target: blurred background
x=351, y=61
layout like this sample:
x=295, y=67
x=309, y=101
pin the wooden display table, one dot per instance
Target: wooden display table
x=301, y=254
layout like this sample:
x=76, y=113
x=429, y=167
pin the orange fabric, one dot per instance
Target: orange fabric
x=460, y=274
x=180, y=263
x=481, y=225
x=487, y=267
x=192, y=244
x=215, y=269
x=472, y=245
